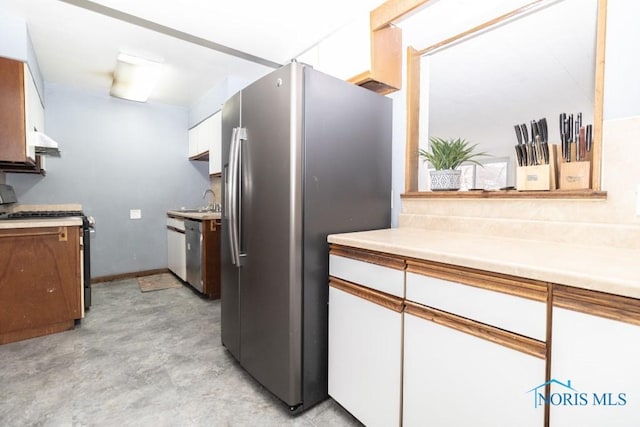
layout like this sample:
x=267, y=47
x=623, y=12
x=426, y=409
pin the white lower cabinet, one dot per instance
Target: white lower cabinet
x=452, y=378
x=419, y=343
x=365, y=362
x=595, y=362
x=176, y=248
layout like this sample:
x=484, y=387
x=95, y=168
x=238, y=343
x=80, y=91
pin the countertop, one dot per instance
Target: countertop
x=612, y=270
x=40, y=222
x=200, y=216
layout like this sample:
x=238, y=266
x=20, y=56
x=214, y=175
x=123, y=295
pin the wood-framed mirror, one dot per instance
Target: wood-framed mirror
x=535, y=61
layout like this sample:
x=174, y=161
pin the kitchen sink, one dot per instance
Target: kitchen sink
x=205, y=209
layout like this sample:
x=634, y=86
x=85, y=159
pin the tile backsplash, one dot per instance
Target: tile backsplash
x=216, y=187
x=611, y=222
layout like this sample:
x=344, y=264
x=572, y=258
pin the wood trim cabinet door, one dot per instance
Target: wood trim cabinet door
x=385, y=74
x=456, y=378
x=21, y=111
x=40, y=281
x=12, y=111
x=211, y=230
x=375, y=270
x=365, y=353
x=510, y=303
x=595, y=346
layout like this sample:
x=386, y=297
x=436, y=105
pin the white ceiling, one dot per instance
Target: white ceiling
x=77, y=41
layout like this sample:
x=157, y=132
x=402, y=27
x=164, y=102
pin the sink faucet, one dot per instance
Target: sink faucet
x=213, y=206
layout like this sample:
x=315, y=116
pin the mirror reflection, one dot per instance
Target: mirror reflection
x=537, y=65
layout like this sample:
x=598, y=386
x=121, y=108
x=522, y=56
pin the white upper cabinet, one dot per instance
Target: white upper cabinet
x=34, y=111
x=197, y=147
x=371, y=59
x=205, y=142
x=215, y=146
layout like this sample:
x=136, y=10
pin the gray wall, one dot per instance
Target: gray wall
x=117, y=155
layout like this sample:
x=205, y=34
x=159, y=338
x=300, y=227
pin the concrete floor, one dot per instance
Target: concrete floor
x=141, y=359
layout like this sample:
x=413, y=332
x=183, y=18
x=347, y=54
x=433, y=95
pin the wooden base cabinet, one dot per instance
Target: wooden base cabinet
x=452, y=378
x=40, y=281
x=595, y=359
x=365, y=362
x=211, y=232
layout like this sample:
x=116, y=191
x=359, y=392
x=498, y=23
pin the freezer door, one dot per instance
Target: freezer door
x=270, y=291
x=230, y=291
x=347, y=179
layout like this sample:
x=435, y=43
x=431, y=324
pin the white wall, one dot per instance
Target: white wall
x=612, y=222
x=212, y=101
x=117, y=155
x=15, y=43
x=622, y=76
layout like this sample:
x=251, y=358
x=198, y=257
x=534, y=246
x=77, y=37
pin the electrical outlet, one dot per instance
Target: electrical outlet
x=135, y=214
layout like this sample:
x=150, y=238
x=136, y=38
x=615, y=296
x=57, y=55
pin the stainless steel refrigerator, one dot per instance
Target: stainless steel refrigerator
x=304, y=155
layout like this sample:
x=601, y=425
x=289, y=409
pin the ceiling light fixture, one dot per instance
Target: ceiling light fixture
x=134, y=78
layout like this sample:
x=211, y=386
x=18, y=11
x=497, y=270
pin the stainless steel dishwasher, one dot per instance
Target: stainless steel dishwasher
x=193, y=241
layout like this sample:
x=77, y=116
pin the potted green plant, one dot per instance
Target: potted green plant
x=446, y=155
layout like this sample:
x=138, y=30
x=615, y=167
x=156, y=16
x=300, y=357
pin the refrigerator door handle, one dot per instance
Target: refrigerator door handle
x=235, y=198
x=232, y=196
x=227, y=176
x=241, y=135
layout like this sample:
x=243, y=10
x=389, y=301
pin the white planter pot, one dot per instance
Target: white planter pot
x=445, y=180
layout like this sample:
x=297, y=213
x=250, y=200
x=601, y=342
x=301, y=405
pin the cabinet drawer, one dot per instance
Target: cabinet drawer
x=381, y=278
x=365, y=356
x=176, y=223
x=512, y=313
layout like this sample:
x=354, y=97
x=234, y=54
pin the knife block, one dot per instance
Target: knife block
x=575, y=175
x=540, y=177
x=533, y=178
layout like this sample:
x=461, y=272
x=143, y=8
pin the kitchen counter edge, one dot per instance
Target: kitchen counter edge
x=605, y=269
x=200, y=216
x=40, y=222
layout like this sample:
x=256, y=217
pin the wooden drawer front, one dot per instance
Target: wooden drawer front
x=176, y=223
x=374, y=276
x=512, y=313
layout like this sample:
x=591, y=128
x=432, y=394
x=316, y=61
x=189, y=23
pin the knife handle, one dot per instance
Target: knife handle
x=589, y=138
x=570, y=128
x=534, y=130
x=583, y=144
x=518, y=133
x=525, y=133
x=519, y=155
x=542, y=124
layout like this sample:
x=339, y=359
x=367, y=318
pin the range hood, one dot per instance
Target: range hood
x=7, y=195
x=43, y=144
